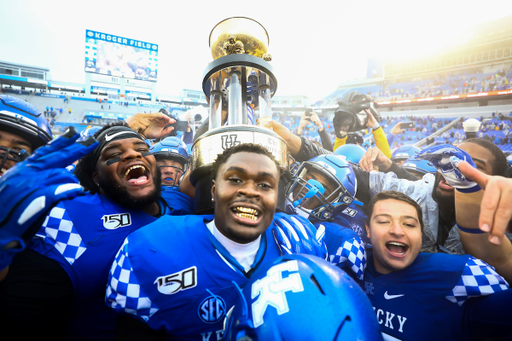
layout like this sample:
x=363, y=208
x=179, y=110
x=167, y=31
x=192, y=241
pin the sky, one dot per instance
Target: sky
x=315, y=45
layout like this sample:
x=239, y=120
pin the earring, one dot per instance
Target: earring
x=213, y=199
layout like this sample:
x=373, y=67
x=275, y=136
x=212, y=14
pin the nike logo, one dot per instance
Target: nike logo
x=110, y=137
x=390, y=297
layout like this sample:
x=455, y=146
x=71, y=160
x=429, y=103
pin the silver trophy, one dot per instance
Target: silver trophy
x=238, y=84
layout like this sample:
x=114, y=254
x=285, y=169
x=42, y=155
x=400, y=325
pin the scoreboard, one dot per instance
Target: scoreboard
x=116, y=56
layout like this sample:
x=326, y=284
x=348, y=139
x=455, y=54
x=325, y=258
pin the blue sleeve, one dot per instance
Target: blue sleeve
x=346, y=249
x=488, y=317
x=477, y=279
x=188, y=136
x=390, y=138
x=59, y=232
x=124, y=293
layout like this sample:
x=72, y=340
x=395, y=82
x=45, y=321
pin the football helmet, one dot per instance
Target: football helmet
x=352, y=152
x=89, y=132
x=301, y=297
x=419, y=167
x=171, y=148
x=404, y=152
x=23, y=119
x=322, y=187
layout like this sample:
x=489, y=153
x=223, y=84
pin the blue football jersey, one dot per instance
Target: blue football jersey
x=174, y=275
x=179, y=203
x=354, y=217
x=345, y=248
x=424, y=301
x=83, y=235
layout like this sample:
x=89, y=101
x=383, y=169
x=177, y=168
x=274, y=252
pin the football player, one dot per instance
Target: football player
x=58, y=282
x=322, y=190
x=177, y=274
x=172, y=158
x=22, y=128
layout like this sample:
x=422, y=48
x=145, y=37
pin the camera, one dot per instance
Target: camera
x=173, y=132
x=307, y=114
x=351, y=115
x=407, y=125
x=355, y=138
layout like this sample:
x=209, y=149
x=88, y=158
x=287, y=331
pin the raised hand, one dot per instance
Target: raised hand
x=152, y=125
x=29, y=189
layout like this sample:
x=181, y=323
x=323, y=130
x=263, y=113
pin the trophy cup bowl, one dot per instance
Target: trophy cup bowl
x=249, y=36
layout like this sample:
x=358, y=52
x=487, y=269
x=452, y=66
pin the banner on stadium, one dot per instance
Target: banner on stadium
x=447, y=97
x=104, y=89
x=44, y=94
x=138, y=94
x=107, y=115
x=120, y=40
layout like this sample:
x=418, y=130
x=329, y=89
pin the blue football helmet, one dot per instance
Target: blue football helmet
x=322, y=187
x=23, y=119
x=89, y=132
x=419, y=167
x=171, y=148
x=301, y=297
x=404, y=152
x=352, y=152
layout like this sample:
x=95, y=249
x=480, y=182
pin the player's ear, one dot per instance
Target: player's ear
x=213, y=190
x=367, y=231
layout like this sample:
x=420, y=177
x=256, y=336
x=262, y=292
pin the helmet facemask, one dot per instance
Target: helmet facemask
x=7, y=154
x=177, y=171
x=316, y=192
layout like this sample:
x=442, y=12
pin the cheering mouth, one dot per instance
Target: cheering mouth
x=246, y=212
x=136, y=174
x=397, y=249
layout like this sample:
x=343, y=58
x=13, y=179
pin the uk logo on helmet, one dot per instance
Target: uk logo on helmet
x=272, y=290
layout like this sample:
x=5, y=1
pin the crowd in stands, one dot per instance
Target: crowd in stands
x=468, y=81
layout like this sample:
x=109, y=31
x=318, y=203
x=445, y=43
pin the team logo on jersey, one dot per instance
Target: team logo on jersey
x=229, y=141
x=212, y=309
x=357, y=229
x=115, y=221
x=369, y=288
x=176, y=282
x=272, y=290
x=350, y=212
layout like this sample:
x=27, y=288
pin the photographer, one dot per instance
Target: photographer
x=310, y=116
x=356, y=112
